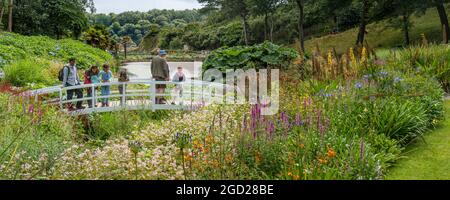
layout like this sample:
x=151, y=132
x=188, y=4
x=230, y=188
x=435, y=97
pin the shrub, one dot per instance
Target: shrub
x=242, y=57
x=29, y=72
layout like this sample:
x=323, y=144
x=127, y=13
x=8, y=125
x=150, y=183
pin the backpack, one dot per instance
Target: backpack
x=61, y=73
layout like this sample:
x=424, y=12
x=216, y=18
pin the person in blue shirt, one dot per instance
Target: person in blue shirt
x=105, y=76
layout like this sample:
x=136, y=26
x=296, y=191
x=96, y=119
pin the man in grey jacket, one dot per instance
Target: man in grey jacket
x=160, y=72
x=71, y=78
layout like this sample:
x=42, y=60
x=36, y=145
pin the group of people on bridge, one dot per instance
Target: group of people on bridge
x=94, y=75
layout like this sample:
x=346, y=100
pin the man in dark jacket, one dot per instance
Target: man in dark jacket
x=160, y=72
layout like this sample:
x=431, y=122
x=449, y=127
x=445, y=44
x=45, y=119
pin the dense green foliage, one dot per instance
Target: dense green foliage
x=14, y=47
x=55, y=18
x=139, y=24
x=250, y=57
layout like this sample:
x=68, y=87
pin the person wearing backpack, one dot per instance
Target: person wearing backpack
x=70, y=78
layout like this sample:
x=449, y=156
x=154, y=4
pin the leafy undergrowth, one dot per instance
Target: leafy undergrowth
x=429, y=160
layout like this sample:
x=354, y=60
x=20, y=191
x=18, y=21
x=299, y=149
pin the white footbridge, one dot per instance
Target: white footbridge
x=137, y=95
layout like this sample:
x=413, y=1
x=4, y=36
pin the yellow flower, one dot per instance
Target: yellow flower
x=290, y=174
x=330, y=58
x=364, y=55
x=297, y=177
x=352, y=57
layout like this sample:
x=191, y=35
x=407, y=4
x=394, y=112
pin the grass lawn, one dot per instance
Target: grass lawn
x=427, y=161
x=381, y=36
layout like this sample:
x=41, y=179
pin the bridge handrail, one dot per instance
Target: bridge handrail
x=190, y=93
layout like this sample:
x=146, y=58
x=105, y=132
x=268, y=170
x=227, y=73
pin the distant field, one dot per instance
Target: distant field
x=381, y=36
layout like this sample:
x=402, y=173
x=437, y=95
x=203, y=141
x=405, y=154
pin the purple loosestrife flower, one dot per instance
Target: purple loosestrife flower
x=298, y=119
x=270, y=128
x=319, y=115
x=322, y=130
x=31, y=109
x=285, y=119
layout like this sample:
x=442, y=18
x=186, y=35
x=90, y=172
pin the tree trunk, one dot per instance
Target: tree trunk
x=301, y=22
x=336, y=24
x=406, y=28
x=444, y=21
x=10, y=21
x=271, y=27
x=245, y=24
x=363, y=23
x=125, y=49
x=2, y=11
x=266, y=26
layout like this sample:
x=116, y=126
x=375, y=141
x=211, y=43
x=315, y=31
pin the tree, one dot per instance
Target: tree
x=151, y=40
x=325, y=10
x=364, y=20
x=10, y=18
x=402, y=12
x=300, y=4
x=439, y=4
x=2, y=12
x=265, y=8
x=125, y=41
x=233, y=8
x=97, y=36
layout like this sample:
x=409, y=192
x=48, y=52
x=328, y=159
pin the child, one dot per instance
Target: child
x=91, y=77
x=123, y=77
x=105, y=76
x=178, y=78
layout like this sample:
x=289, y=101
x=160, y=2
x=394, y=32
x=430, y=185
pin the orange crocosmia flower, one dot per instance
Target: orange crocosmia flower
x=215, y=163
x=229, y=158
x=289, y=173
x=331, y=153
x=258, y=157
x=209, y=139
x=323, y=161
x=297, y=177
x=188, y=157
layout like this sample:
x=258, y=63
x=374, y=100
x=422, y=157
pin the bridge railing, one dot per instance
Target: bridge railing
x=136, y=95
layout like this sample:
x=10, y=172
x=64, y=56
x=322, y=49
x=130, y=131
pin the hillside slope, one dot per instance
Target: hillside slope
x=380, y=35
x=15, y=47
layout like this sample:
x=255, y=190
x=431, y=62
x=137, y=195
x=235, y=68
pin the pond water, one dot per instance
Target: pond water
x=141, y=70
